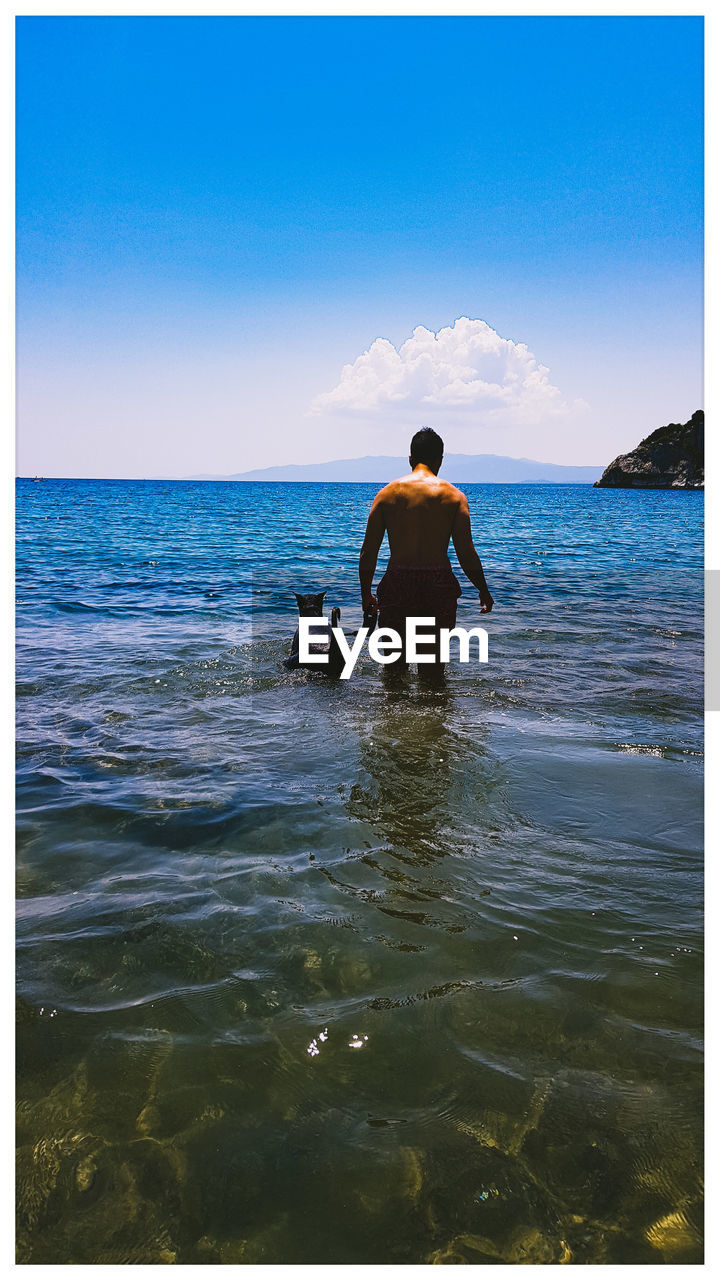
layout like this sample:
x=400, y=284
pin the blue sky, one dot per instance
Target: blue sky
x=216, y=215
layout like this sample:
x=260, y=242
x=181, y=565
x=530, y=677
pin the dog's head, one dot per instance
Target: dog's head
x=310, y=606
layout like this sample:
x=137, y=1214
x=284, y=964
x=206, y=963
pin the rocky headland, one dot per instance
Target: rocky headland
x=673, y=457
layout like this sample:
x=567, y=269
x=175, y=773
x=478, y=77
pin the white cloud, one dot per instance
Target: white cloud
x=466, y=366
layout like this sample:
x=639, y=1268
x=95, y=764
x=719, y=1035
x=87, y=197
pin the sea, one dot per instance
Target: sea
x=370, y=971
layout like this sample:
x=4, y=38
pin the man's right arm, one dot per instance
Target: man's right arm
x=468, y=557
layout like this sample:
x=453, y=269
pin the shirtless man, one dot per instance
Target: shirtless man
x=420, y=514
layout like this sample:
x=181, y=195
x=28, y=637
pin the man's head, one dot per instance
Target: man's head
x=426, y=446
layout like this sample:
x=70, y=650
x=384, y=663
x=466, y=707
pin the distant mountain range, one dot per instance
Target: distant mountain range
x=468, y=468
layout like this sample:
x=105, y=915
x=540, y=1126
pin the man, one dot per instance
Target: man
x=420, y=513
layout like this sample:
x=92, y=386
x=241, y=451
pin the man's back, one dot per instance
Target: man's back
x=418, y=512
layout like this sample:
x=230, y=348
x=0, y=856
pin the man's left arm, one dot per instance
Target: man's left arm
x=372, y=542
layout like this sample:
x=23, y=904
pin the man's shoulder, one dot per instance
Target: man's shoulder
x=451, y=492
x=403, y=485
x=391, y=489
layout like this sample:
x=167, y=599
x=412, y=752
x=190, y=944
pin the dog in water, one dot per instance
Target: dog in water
x=311, y=606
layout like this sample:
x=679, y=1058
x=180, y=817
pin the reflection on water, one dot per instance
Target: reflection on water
x=363, y=972
x=408, y=753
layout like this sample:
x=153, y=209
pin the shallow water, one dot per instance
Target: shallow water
x=362, y=971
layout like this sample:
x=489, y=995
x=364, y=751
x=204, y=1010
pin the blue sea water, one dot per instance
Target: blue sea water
x=356, y=972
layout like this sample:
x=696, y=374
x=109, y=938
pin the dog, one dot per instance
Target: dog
x=311, y=606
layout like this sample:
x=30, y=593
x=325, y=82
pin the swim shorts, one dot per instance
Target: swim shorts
x=417, y=591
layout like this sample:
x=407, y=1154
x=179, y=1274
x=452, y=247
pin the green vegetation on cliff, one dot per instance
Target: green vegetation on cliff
x=673, y=457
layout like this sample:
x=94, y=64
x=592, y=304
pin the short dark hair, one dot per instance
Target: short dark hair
x=426, y=446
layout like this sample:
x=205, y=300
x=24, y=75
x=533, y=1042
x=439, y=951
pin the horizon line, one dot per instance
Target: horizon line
x=366, y=457
x=232, y=480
